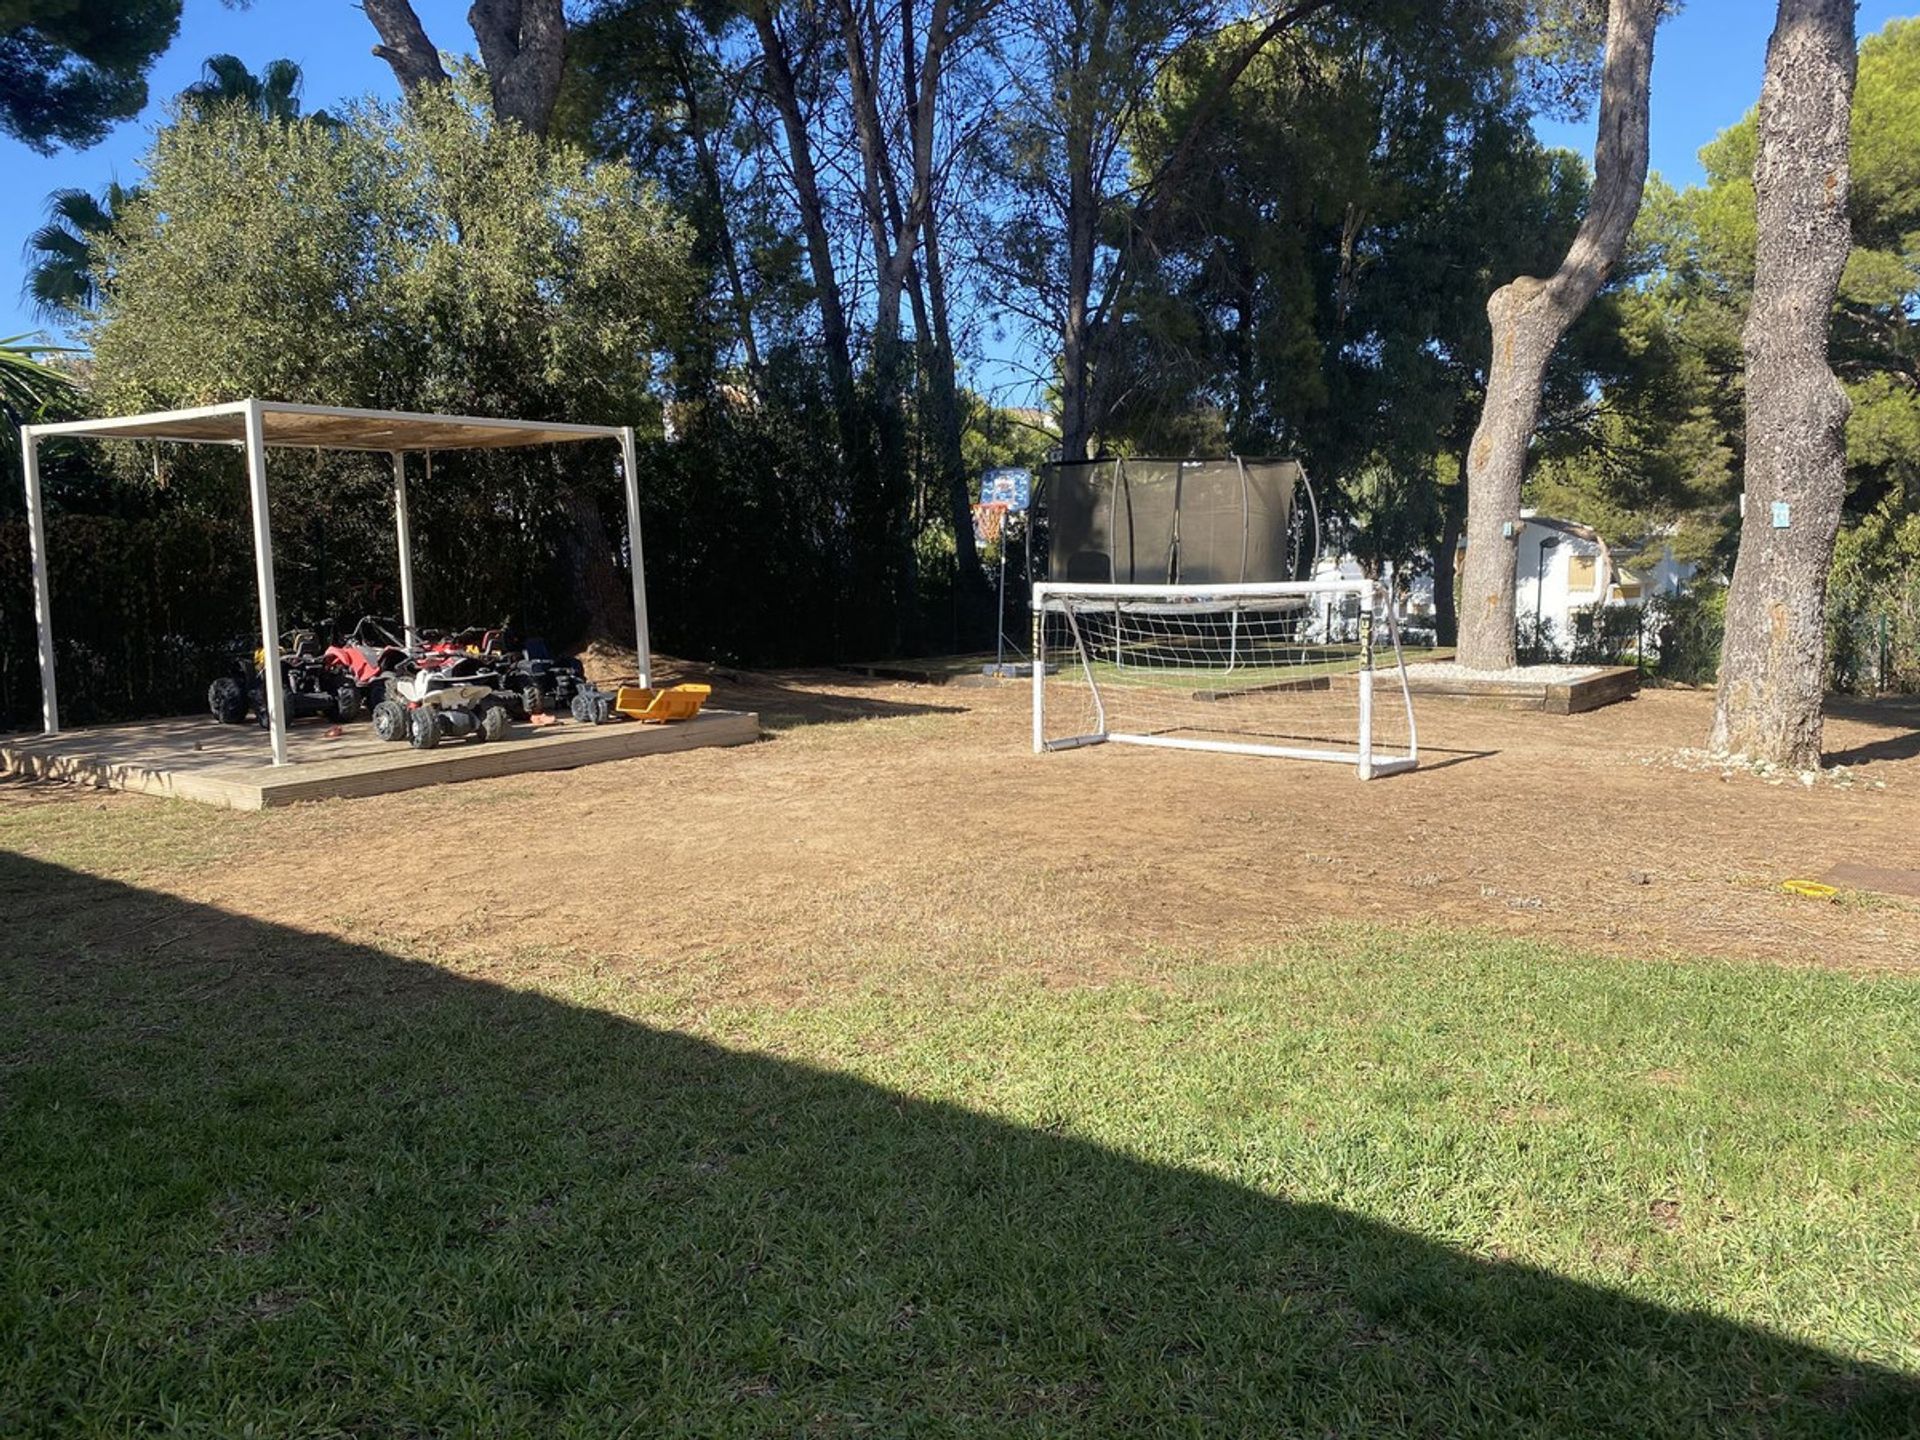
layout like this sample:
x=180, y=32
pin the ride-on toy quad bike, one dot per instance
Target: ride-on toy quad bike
x=428, y=676
x=534, y=678
x=310, y=684
x=370, y=652
x=425, y=708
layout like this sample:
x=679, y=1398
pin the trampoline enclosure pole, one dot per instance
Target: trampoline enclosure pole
x=42, y=599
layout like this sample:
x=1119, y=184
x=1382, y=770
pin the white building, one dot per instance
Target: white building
x=1564, y=570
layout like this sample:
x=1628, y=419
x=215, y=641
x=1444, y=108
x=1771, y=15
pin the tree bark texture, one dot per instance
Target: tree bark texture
x=1446, y=620
x=1774, y=659
x=604, y=596
x=404, y=44
x=1529, y=316
x=523, y=44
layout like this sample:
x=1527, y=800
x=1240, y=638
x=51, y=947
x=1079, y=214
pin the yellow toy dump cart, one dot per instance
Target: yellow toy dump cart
x=681, y=702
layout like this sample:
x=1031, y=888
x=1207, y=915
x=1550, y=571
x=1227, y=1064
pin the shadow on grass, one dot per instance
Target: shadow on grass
x=1894, y=747
x=255, y=1176
x=1900, y=713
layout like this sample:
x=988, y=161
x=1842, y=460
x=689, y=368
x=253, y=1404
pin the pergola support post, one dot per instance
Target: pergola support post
x=630, y=471
x=270, y=678
x=403, y=536
x=42, y=595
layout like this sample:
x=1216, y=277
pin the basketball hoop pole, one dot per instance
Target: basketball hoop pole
x=1000, y=612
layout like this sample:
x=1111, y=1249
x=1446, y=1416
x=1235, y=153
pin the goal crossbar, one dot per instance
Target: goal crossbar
x=1287, y=669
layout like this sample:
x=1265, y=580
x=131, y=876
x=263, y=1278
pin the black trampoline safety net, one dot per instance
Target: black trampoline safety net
x=1173, y=521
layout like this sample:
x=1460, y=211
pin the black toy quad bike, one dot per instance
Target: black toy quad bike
x=310, y=684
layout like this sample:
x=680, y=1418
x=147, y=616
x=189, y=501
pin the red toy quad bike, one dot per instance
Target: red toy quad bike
x=371, y=652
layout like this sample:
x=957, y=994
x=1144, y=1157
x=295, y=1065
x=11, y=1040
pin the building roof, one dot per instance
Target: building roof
x=1566, y=527
x=328, y=427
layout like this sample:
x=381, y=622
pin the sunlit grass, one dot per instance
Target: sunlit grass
x=1368, y=1183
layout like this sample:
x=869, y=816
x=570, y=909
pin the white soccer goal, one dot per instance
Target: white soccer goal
x=1304, y=670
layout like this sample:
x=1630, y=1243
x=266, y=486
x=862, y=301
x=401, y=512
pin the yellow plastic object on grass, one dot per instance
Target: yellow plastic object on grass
x=681, y=702
x=1812, y=889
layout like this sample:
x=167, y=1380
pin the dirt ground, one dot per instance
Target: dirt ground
x=883, y=820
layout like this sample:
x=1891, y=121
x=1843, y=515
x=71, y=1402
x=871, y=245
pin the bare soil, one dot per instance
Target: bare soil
x=884, y=824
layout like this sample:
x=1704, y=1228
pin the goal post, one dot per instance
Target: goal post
x=1300, y=670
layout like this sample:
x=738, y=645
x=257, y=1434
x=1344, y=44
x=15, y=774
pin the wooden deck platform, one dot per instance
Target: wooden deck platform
x=228, y=765
x=1605, y=686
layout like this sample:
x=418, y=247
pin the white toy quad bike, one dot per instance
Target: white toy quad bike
x=423, y=711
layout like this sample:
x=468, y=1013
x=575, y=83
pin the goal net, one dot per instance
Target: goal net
x=1305, y=670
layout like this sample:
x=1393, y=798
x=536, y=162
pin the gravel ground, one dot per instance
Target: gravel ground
x=1519, y=675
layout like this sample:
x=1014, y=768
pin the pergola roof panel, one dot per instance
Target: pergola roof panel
x=325, y=427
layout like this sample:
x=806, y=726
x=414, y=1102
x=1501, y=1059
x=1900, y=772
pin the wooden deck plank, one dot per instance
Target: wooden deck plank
x=194, y=759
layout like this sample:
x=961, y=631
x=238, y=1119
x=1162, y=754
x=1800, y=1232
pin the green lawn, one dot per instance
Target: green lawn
x=1374, y=1184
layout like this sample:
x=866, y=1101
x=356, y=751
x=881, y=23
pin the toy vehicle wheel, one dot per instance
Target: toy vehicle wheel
x=589, y=708
x=532, y=701
x=423, y=728
x=227, y=699
x=346, y=702
x=263, y=713
x=390, y=720
x=493, y=721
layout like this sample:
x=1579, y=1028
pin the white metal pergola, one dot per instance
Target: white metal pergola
x=256, y=426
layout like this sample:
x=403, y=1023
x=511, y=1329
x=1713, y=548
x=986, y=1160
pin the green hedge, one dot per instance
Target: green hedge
x=145, y=610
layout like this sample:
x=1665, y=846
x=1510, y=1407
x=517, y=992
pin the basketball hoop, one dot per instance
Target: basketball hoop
x=989, y=520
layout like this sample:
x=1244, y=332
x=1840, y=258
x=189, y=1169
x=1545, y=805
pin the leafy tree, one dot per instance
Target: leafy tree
x=63, y=279
x=1531, y=315
x=418, y=257
x=1319, y=287
x=1663, y=458
x=273, y=94
x=29, y=386
x=69, y=71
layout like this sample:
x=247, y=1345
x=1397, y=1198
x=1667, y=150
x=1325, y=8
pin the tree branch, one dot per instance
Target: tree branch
x=404, y=44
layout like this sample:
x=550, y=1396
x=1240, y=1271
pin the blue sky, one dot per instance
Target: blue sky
x=1707, y=69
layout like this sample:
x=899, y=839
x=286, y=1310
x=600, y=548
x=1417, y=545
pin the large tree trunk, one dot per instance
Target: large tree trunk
x=1076, y=363
x=1529, y=317
x=886, y=506
x=1446, y=617
x=784, y=92
x=523, y=44
x=944, y=382
x=716, y=197
x=1774, y=660
x=604, y=597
